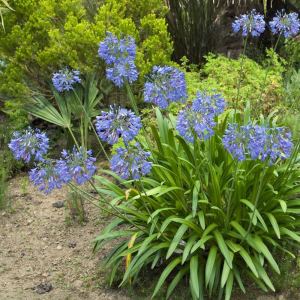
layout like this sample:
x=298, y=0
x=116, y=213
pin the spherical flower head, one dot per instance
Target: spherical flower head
x=119, y=54
x=209, y=105
x=29, y=144
x=49, y=175
x=249, y=24
x=286, y=24
x=124, y=71
x=118, y=123
x=258, y=142
x=278, y=144
x=234, y=141
x=80, y=163
x=131, y=162
x=191, y=123
x=64, y=80
x=165, y=85
x=114, y=51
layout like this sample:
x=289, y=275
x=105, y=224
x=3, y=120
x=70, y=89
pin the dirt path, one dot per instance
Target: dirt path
x=37, y=246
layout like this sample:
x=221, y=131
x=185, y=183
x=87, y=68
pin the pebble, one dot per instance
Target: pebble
x=59, y=204
x=77, y=284
x=44, y=287
x=59, y=247
x=72, y=244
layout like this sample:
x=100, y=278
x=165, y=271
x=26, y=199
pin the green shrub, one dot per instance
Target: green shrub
x=292, y=91
x=203, y=216
x=223, y=74
x=42, y=36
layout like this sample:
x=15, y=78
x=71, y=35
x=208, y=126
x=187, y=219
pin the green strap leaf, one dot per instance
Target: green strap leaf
x=177, y=238
x=210, y=263
x=194, y=279
x=165, y=274
x=223, y=248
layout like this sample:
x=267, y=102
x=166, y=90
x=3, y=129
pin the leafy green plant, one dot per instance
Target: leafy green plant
x=253, y=86
x=292, y=91
x=201, y=215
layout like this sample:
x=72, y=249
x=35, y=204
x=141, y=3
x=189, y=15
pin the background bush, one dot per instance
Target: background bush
x=42, y=36
x=223, y=74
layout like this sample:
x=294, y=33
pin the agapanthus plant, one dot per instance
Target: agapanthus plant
x=131, y=162
x=165, y=85
x=65, y=80
x=118, y=123
x=30, y=144
x=287, y=24
x=119, y=54
x=252, y=24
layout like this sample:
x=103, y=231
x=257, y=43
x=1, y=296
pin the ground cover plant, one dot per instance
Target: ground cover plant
x=204, y=196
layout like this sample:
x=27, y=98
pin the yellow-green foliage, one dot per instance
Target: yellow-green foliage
x=44, y=35
x=260, y=84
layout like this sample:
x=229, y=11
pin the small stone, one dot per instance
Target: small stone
x=44, y=287
x=59, y=247
x=72, y=244
x=59, y=204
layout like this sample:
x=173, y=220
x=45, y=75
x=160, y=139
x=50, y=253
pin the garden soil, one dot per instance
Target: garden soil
x=43, y=256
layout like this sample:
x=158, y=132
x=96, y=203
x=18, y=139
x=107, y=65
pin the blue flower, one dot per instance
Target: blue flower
x=191, y=123
x=252, y=23
x=209, y=105
x=117, y=123
x=199, y=119
x=64, y=80
x=113, y=50
x=121, y=72
x=286, y=24
x=29, y=144
x=80, y=163
x=165, y=85
x=234, y=142
x=119, y=54
x=49, y=175
x=258, y=142
x=131, y=162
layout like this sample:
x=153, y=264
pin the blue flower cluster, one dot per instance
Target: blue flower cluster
x=64, y=80
x=29, y=144
x=49, y=175
x=258, y=142
x=119, y=54
x=131, y=162
x=249, y=24
x=286, y=24
x=199, y=119
x=165, y=85
x=78, y=165
x=117, y=123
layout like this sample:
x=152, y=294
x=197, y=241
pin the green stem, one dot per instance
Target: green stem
x=117, y=213
x=240, y=77
x=91, y=124
x=73, y=137
x=256, y=201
